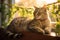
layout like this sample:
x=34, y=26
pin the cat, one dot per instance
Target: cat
x=40, y=23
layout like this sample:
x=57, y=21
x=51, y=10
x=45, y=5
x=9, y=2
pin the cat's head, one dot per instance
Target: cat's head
x=40, y=13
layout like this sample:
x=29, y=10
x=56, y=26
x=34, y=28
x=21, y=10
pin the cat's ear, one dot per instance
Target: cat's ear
x=36, y=10
x=36, y=7
x=45, y=7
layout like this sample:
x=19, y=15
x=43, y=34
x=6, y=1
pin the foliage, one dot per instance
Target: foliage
x=58, y=0
x=22, y=12
x=4, y=14
x=55, y=10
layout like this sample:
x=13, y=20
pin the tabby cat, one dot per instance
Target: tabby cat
x=40, y=23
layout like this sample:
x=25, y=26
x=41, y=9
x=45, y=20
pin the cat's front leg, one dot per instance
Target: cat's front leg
x=37, y=29
x=40, y=30
x=48, y=30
